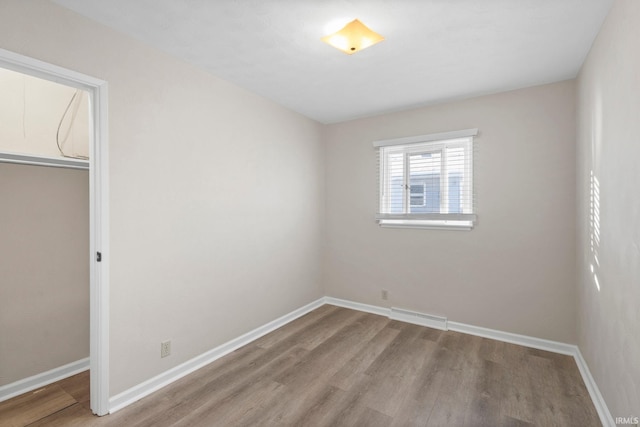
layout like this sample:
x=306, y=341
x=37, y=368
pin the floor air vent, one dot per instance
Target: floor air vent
x=416, y=318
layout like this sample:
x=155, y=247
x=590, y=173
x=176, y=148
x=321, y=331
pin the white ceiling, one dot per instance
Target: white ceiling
x=435, y=50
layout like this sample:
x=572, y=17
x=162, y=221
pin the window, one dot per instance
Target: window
x=427, y=181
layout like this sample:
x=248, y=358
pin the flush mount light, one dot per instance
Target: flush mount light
x=353, y=37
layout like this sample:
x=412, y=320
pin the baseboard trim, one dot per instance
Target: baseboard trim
x=43, y=379
x=381, y=311
x=417, y=318
x=527, y=341
x=601, y=406
x=145, y=388
x=523, y=340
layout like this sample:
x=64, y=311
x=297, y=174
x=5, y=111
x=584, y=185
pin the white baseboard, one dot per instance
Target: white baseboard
x=524, y=340
x=144, y=389
x=603, y=411
x=43, y=379
x=373, y=309
x=417, y=318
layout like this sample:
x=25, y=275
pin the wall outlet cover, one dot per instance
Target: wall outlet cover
x=165, y=348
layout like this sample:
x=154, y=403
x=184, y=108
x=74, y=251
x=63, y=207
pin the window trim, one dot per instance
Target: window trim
x=441, y=221
x=426, y=138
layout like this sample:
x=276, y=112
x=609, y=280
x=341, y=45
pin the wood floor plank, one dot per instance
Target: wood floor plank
x=544, y=383
x=230, y=410
x=33, y=406
x=321, y=413
x=76, y=415
x=294, y=405
x=314, y=317
x=487, y=396
x=421, y=399
x=78, y=387
x=335, y=351
x=366, y=417
x=388, y=378
x=431, y=334
x=457, y=389
x=519, y=395
x=351, y=371
x=339, y=367
x=323, y=331
x=395, y=371
x=386, y=361
x=352, y=411
x=216, y=396
x=513, y=422
x=307, y=381
x=492, y=350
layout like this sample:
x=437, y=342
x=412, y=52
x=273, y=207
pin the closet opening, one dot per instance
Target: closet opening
x=53, y=187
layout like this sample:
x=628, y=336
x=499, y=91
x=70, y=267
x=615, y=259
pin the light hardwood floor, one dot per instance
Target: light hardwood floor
x=339, y=367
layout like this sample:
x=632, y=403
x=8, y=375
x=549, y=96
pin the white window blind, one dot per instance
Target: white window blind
x=427, y=181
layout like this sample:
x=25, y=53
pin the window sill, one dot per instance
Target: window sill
x=427, y=224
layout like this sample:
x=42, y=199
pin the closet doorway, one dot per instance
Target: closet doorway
x=77, y=152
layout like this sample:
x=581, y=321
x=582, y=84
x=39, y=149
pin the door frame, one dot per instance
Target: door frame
x=98, y=211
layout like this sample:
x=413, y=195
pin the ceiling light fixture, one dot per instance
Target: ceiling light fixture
x=353, y=37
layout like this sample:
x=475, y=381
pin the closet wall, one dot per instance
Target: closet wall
x=44, y=229
x=31, y=115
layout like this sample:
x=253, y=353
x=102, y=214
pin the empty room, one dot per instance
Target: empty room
x=319, y=213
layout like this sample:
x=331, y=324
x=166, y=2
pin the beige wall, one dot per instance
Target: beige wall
x=609, y=146
x=516, y=270
x=44, y=269
x=31, y=109
x=215, y=194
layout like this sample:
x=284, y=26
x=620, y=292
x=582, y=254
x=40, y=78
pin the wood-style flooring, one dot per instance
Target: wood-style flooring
x=68, y=396
x=339, y=367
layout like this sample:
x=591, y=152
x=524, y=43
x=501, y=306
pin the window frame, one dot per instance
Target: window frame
x=410, y=146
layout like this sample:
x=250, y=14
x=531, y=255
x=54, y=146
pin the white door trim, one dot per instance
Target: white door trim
x=99, y=212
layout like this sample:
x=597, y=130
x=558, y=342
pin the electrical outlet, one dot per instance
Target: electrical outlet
x=165, y=348
x=384, y=294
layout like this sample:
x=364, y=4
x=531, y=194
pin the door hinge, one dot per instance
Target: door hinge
x=99, y=256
